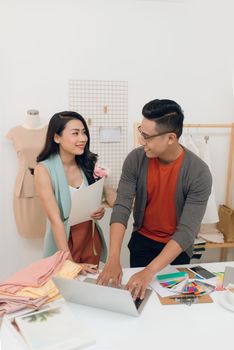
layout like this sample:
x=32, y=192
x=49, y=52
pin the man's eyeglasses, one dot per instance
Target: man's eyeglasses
x=149, y=137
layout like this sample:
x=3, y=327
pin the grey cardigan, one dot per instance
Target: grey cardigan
x=192, y=192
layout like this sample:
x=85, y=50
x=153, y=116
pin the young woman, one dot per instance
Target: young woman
x=65, y=165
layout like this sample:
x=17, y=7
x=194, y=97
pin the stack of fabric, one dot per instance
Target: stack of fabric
x=32, y=286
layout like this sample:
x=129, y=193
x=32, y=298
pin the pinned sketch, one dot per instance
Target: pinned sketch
x=110, y=134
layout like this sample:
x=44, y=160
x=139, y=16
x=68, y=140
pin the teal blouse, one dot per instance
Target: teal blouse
x=62, y=194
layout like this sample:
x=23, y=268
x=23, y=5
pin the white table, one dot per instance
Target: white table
x=167, y=327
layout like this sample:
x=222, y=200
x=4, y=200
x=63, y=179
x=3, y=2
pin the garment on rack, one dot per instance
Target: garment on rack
x=29, y=215
x=211, y=213
x=190, y=144
x=182, y=141
x=200, y=146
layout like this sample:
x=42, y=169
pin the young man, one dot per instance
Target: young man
x=171, y=186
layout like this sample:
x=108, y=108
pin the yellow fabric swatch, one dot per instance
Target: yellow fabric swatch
x=69, y=270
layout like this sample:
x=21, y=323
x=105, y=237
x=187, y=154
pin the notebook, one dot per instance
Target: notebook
x=52, y=329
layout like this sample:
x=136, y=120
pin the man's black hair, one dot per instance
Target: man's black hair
x=167, y=114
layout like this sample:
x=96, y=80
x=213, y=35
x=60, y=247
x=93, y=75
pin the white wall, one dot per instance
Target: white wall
x=168, y=50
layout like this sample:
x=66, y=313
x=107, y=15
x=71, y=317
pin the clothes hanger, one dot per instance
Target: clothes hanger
x=206, y=138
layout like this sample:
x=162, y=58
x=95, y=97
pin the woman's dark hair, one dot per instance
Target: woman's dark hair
x=56, y=126
x=167, y=114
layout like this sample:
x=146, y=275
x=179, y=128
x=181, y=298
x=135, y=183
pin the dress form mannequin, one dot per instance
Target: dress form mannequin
x=32, y=120
x=28, y=140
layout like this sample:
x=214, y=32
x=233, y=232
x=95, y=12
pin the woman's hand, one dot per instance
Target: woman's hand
x=88, y=268
x=70, y=257
x=99, y=213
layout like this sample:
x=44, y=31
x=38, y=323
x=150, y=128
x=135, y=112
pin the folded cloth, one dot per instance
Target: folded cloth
x=216, y=236
x=14, y=297
x=36, y=274
x=212, y=237
x=10, y=304
x=210, y=233
x=48, y=290
x=34, y=297
x=68, y=270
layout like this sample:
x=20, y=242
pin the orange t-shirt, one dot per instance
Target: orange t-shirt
x=159, y=221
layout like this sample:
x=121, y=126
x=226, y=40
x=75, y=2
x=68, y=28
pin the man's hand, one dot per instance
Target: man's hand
x=138, y=283
x=112, y=273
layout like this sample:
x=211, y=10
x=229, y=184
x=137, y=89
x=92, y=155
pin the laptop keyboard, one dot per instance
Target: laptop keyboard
x=138, y=302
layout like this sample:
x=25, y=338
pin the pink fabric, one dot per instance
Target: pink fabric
x=34, y=275
x=10, y=304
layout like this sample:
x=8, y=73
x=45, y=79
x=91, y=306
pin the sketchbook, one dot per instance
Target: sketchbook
x=52, y=329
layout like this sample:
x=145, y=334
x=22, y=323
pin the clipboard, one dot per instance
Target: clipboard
x=181, y=299
x=185, y=299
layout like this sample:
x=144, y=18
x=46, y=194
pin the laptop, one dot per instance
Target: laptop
x=104, y=297
x=228, y=276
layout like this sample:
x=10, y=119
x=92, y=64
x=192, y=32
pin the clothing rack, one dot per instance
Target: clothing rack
x=222, y=246
x=230, y=157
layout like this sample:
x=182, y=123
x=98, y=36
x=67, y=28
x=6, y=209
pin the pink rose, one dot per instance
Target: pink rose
x=100, y=172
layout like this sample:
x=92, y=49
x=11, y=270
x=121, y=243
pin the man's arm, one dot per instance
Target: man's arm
x=194, y=206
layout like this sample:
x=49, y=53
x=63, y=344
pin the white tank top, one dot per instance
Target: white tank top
x=73, y=190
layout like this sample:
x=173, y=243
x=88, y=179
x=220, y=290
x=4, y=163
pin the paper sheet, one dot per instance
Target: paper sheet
x=85, y=201
x=155, y=285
